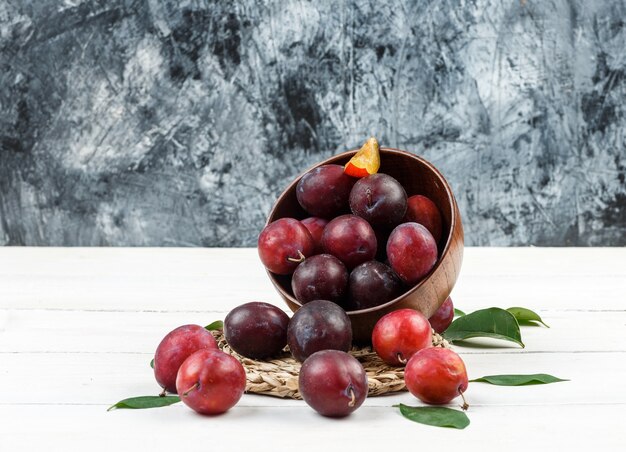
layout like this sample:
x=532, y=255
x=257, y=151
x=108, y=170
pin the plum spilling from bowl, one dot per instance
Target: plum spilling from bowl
x=333, y=383
x=397, y=336
x=320, y=277
x=318, y=325
x=442, y=318
x=283, y=244
x=388, y=239
x=372, y=282
x=256, y=330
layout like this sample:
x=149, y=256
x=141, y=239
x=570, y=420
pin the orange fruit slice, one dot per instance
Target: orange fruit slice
x=364, y=162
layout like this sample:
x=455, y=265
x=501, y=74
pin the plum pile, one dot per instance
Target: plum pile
x=364, y=243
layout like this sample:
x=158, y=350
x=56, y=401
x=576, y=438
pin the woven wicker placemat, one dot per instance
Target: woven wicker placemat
x=278, y=377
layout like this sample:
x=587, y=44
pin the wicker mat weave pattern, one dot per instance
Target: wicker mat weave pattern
x=278, y=377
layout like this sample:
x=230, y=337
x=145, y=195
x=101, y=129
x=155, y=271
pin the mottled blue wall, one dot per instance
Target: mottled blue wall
x=177, y=123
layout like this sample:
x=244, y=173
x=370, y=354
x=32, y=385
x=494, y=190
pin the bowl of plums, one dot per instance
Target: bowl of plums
x=372, y=230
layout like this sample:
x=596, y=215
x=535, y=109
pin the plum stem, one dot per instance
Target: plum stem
x=465, y=405
x=162, y=393
x=298, y=259
x=352, y=397
x=400, y=358
x=194, y=387
x=368, y=193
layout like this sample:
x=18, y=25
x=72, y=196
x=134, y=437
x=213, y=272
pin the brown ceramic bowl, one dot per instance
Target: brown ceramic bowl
x=417, y=176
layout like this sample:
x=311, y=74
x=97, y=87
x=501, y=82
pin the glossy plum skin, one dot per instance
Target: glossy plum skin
x=320, y=277
x=442, y=318
x=282, y=243
x=316, y=226
x=324, y=191
x=412, y=252
x=211, y=381
x=256, y=330
x=333, y=383
x=175, y=348
x=436, y=375
x=350, y=239
x=422, y=210
x=397, y=336
x=318, y=325
x=371, y=284
x=379, y=199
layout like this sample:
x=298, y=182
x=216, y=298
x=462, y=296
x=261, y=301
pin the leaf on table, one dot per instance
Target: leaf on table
x=458, y=313
x=525, y=316
x=141, y=402
x=491, y=322
x=518, y=380
x=437, y=416
x=152, y=363
x=217, y=325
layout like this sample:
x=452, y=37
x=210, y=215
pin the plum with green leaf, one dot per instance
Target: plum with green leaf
x=174, y=348
x=436, y=376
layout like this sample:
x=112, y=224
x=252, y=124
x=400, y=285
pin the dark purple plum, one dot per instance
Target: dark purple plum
x=283, y=244
x=320, y=277
x=442, y=318
x=350, y=239
x=324, y=191
x=412, y=252
x=256, y=330
x=379, y=199
x=333, y=383
x=371, y=284
x=318, y=325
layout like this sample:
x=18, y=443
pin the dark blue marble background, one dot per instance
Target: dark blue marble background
x=177, y=123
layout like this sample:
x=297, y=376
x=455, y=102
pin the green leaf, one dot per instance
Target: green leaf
x=458, y=313
x=217, y=325
x=142, y=402
x=518, y=380
x=526, y=316
x=491, y=322
x=152, y=363
x=437, y=416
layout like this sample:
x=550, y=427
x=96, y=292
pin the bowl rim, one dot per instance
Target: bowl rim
x=444, y=253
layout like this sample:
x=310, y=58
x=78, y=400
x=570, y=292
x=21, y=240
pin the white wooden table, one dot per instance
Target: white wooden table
x=78, y=328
